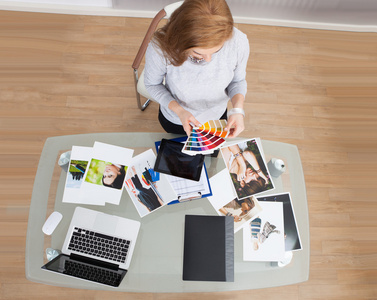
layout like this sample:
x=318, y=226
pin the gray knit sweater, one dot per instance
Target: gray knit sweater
x=201, y=88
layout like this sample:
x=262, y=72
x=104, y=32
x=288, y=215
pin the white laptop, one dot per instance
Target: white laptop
x=98, y=247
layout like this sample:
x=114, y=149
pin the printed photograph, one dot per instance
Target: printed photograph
x=76, y=173
x=247, y=169
x=148, y=190
x=241, y=210
x=225, y=202
x=104, y=177
x=263, y=238
x=106, y=174
x=78, y=164
x=291, y=233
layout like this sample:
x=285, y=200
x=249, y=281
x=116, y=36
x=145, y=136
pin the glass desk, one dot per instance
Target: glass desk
x=157, y=262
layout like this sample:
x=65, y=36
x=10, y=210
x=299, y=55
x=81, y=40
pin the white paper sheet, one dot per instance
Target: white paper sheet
x=273, y=247
x=92, y=189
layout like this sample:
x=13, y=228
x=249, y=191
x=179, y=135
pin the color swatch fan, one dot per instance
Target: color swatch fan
x=207, y=138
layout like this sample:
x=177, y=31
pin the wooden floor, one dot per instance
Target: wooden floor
x=62, y=74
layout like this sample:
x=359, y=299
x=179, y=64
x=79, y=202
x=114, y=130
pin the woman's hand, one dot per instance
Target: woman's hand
x=188, y=120
x=185, y=116
x=235, y=125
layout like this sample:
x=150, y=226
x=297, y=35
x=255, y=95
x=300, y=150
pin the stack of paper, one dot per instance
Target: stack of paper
x=268, y=222
x=96, y=174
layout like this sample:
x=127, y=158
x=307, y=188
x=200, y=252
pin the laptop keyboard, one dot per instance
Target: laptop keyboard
x=91, y=273
x=99, y=245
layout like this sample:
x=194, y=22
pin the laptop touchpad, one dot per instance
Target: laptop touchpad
x=105, y=223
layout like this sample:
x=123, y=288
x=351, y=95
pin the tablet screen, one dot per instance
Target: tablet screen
x=170, y=160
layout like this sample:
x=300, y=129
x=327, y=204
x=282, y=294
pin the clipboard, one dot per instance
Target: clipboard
x=186, y=189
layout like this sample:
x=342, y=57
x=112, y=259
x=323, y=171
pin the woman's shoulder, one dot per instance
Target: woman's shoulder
x=154, y=48
x=238, y=40
x=239, y=34
x=154, y=51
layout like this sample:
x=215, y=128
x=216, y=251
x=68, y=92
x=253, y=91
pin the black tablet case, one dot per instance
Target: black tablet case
x=208, y=248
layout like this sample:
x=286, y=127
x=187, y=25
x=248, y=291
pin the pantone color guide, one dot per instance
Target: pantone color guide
x=207, y=138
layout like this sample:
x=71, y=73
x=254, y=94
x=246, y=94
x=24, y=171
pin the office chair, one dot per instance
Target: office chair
x=139, y=80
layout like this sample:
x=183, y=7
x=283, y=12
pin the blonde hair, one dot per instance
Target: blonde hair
x=196, y=23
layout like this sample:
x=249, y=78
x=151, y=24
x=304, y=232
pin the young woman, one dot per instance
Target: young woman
x=245, y=171
x=202, y=58
x=113, y=176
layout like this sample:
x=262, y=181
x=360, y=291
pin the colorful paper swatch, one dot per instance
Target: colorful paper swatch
x=207, y=138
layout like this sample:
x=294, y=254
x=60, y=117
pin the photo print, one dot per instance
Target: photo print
x=225, y=202
x=291, y=233
x=105, y=174
x=247, y=168
x=79, y=160
x=263, y=238
x=148, y=190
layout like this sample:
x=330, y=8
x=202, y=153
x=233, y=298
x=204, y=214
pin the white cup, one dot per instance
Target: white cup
x=64, y=159
x=276, y=167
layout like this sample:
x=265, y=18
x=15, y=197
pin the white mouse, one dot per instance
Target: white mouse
x=52, y=221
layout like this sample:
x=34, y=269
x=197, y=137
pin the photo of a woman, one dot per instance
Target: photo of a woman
x=238, y=209
x=113, y=176
x=146, y=196
x=242, y=211
x=148, y=189
x=247, y=169
x=106, y=173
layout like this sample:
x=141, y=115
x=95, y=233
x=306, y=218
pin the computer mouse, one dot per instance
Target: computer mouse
x=52, y=221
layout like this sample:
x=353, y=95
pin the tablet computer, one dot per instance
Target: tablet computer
x=172, y=161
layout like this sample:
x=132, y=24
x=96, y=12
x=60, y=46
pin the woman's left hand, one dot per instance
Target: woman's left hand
x=235, y=125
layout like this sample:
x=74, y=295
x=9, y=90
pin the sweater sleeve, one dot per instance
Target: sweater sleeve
x=238, y=84
x=154, y=74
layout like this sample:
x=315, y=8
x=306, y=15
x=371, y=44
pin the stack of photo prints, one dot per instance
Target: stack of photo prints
x=98, y=175
x=268, y=222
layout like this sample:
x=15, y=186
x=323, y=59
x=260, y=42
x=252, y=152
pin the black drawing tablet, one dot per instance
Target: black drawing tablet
x=170, y=160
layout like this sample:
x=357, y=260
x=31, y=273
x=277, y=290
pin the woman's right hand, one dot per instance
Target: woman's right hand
x=185, y=116
x=188, y=120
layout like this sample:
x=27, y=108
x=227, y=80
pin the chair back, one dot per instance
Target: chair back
x=166, y=12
